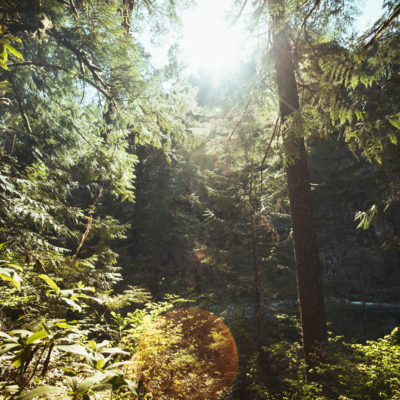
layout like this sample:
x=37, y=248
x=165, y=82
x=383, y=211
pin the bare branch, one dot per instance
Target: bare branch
x=90, y=219
x=270, y=142
x=240, y=120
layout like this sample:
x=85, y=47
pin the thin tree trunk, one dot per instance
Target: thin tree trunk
x=257, y=289
x=156, y=268
x=395, y=237
x=309, y=279
x=196, y=277
x=156, y=231
x=256, y=274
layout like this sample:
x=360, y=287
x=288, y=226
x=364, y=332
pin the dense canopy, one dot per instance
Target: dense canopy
x=167, y=233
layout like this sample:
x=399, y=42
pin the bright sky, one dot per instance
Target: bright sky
x=209, y=41
x=371, y=11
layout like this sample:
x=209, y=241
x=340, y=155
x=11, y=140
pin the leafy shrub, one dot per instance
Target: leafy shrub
x=346, y=372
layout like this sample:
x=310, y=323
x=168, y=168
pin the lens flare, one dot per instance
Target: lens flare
x=187, y=354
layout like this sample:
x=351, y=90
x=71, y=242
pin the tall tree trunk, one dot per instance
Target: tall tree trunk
x=309, y=279
x=156, y=228
x=156, y=268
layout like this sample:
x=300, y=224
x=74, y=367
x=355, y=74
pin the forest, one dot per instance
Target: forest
x=165, y=236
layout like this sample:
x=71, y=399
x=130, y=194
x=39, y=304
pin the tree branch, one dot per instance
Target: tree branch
x=81, y=56
x=90, y=219
x=20, y=105
x=60, y=68
x=382, y=28
x=240, y=120
x=385, y=83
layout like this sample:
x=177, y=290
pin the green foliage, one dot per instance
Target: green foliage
x=99, y=159
x=9, y=274
x=348, y=371
x=53, y=357
x=5, y=43
x=78, y=107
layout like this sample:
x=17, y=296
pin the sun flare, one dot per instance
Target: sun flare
x=210, y=42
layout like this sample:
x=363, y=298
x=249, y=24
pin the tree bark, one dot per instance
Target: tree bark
x=156, y=229
x=256, y=275
x=309, y=277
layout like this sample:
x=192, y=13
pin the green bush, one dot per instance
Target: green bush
x=347, y=371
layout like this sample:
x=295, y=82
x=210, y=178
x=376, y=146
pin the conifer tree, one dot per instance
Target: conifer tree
x=309, y=276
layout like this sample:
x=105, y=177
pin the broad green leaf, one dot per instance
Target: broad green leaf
x=89, y=382
x=6, y=335
x=104, y=343
x=69, y=370
x=62, y=325
x=102, y=387
x=92, y=344
x=15, y=266
x=100, y=363
x=4, y=348
x=115, y=350
x=72, y=381
x=14, y=51
x=75, y=349
x=17, y=363
x=36, y=336
x=120, y=364
x=50, y=282
x=46, y=390
x=11, y=388
x=5, y=277
x=72, y=304
x=21, y=332
x=4, y=55
x=131, y=386
x=15, y=38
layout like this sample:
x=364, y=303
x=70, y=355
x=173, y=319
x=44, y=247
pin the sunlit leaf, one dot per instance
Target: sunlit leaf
x=46, y=390
x=36, y=336
x=4, y=348
x=89, y=382
x=50, y=282
x=13, y=51
x=75, y=349
x=6, y=277
x=100, y=363
x=62, y=325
